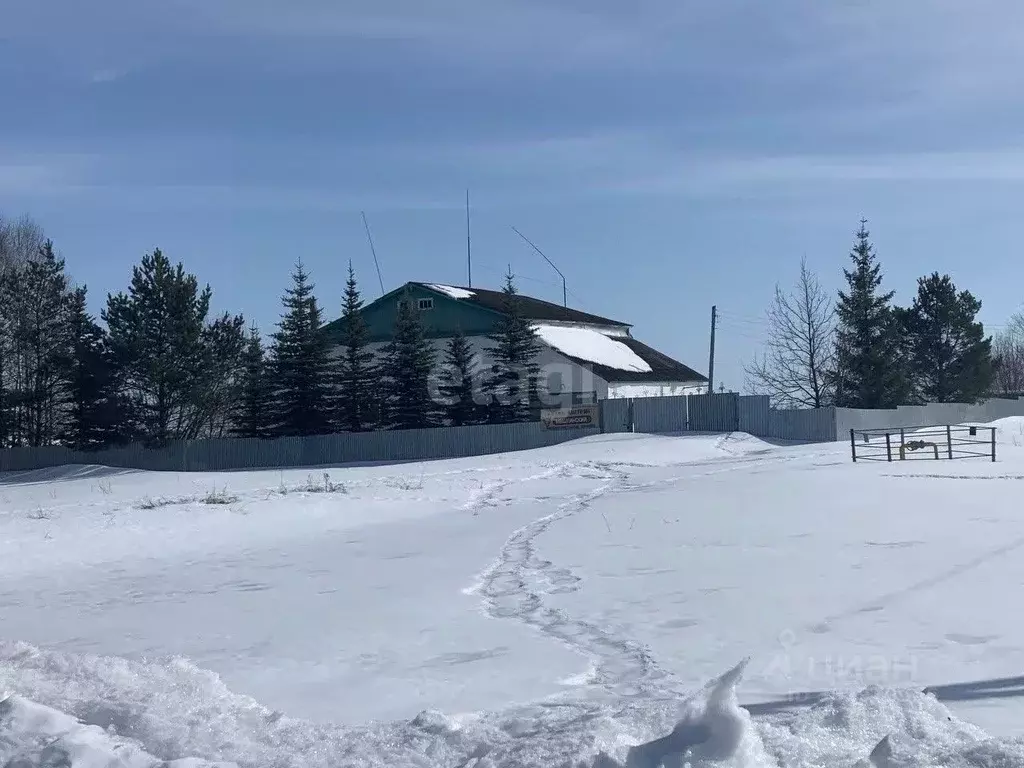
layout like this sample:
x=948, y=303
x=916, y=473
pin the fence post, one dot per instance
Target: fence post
x=993, y=443
x=949, y=441
x=853, y=446
x=888, y=447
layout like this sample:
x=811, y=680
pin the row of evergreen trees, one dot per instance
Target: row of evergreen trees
x=935, y=350
x=156, y=366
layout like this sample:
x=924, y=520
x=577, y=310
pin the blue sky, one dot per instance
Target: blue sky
x=668, y=155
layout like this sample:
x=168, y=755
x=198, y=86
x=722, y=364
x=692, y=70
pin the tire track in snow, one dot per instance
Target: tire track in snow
x=885, y=600
x=515, y=585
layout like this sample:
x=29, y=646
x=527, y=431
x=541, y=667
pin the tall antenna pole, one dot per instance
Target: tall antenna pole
x=711, y=361
x=373, y=250
x=565, y=292
x=469, y=246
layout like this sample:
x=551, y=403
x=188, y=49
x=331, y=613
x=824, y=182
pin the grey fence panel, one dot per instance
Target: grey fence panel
x=250, y=453
x=924, y=415
x=1001, y=408
x=655, y=415
x=815, y=425
x=714, y=413
x=754, y=414
x=616, y=415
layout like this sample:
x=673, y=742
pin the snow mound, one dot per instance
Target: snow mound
x=593, y=346
x=96, y=712
x=34, y=736
x=1009, y=431
x=452, y=291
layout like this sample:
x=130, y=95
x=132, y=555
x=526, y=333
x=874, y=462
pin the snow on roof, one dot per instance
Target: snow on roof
x=455, y=293
x=593, y=346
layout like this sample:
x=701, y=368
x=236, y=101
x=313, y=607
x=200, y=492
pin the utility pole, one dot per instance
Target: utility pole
x=469, y=247
x=711, y=360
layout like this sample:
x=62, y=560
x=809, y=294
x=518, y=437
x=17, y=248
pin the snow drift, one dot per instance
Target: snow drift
x=96, y=712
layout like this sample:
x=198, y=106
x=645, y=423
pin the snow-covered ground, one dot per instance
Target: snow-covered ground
x=531, y=609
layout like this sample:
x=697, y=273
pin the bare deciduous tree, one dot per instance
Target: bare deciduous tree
x=20, y=241
x=1008, y=349
x=796, y=365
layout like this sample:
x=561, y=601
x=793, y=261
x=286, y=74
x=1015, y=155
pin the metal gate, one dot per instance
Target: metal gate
x=714, y=413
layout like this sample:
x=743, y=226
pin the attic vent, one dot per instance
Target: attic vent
x=425, y=304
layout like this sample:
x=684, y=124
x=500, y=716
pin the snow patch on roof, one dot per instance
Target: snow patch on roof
x=455, y=293
x=593, y=346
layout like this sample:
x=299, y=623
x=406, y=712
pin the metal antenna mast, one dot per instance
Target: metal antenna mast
x=565, y=299
x=373, y=250
x=469, y=246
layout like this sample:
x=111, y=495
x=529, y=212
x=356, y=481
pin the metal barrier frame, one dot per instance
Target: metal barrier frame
x=956, y=442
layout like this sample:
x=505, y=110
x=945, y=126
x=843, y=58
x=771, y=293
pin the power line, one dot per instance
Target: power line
x=373, y=250
x=565, y=299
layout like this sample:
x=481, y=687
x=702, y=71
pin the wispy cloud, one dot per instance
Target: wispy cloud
x=331, y=102
x=106, y=75
x=27, y=175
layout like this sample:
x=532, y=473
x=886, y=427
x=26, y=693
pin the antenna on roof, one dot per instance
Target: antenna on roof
x=565, y=299
x=373, y=250
x=469, y=247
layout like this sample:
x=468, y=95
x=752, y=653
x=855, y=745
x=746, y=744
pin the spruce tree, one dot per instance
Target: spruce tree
x=869, y=367
x=94, y=414
x=512, y=386
x=157, y=339
x=407, y=367
x=301, y=363
x=950, y=357
x=356, y=371
x=218, y=390
x=8, y=289
x=253, y=415
x=460, y=406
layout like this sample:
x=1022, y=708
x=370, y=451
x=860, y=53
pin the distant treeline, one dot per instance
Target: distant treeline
x=859, y=350
x=156, y=366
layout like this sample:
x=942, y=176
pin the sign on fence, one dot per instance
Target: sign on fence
x=573, y=417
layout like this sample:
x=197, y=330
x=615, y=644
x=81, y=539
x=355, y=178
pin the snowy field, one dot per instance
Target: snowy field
x=546, y=608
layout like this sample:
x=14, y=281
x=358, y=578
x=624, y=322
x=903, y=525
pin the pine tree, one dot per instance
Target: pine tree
x=356, y=371
x=950, y=358
x=43, y=345
x=252, y=418
x=869, y=368
x=301, y=363
x=407, y=367
x=460, y=363
x=157, y=339
x=512, y=387
x=94, y=414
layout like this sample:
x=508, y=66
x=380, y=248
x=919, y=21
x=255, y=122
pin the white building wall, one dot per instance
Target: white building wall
x=657, y=389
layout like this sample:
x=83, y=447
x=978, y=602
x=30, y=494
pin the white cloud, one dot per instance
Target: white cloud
x=644, y=163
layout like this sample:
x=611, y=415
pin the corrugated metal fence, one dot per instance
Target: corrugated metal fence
x=724, y=412
x=251, y=453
